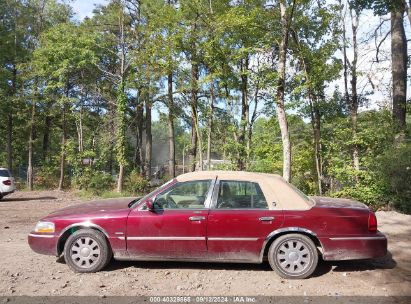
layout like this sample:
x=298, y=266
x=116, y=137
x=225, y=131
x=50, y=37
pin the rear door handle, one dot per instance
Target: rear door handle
x=266, y=218
x=196, y=218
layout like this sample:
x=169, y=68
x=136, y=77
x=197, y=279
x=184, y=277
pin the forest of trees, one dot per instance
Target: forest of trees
x=280, y=86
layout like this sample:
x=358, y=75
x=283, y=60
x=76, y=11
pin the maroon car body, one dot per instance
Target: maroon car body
x=341, y=229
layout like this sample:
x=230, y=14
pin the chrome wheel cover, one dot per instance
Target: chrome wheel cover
x=85, y=252
x=293, y=257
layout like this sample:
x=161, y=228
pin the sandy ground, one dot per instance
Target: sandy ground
x=23, y=272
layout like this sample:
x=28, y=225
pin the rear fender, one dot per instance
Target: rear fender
x=276, y=233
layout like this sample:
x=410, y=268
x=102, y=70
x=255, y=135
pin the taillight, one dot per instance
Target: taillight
x=372, y=222
x=7, y=182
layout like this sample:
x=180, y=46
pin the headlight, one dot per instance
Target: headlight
x=44, y=227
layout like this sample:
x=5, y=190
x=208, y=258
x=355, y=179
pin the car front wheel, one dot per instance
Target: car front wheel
x=86, y=250
x=293, y=256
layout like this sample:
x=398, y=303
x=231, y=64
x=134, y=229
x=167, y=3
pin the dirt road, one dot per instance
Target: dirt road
x=23, y=272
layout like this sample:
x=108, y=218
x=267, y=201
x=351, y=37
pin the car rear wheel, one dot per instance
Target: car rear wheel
x=86, y=250
x=293, y=256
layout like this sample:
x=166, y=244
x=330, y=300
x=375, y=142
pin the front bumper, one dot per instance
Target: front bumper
x=354, y=247
x=43, y=243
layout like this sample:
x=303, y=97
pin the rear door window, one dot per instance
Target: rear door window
x=4, y=173
x=240, y=195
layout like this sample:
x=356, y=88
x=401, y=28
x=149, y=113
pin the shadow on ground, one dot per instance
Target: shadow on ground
x=25, y=199
x=323, y=267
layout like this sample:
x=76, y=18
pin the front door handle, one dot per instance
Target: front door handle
x=266, y=218
x=196, y=218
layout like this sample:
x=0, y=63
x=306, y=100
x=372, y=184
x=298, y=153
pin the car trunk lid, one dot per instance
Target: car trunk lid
x=328, y=202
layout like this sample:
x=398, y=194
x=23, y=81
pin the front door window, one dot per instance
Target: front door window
x=185, y=195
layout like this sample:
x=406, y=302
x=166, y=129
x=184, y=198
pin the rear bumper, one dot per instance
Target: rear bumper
x=43, y=243
x=7, y=192
x=354, y=247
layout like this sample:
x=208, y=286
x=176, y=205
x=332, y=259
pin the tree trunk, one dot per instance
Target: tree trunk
x=149, y=140
x=210, y=126
x=192, y=154
x=31, y=140
x=46, y=136
x=200, y=142
x=399, y=69
x=121, y=135
x=121, y=106
x=10, y=120
x=345, y=59
x=138, y=159
x=316, y=126
x=354, y=96
x=63, y=145
x=171, y=138
x=10, y=141
x=281, y=115
x=251, y=122
x=244, y=115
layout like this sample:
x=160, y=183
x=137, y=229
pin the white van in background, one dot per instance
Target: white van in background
x=7, y=185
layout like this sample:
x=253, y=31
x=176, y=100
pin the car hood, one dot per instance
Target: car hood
x=94, y=207
x=328, y=202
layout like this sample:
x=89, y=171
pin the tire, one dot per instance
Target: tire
x=293, y=256
x=87, y=250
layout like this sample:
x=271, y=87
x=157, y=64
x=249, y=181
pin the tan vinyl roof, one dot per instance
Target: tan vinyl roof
x=275, y=188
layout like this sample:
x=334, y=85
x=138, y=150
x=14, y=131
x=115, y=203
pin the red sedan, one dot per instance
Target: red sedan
x=214, y=216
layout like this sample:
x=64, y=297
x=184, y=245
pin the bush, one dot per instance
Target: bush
x=136, y=183
x=95, y=181
x=47, y=177
x=369, y=195
x=394, y=168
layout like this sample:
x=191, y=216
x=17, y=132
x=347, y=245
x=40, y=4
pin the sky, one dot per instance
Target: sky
x=84, y=8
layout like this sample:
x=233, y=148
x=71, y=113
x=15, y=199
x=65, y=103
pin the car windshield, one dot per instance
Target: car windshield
x=4, y=173
x=139, y=199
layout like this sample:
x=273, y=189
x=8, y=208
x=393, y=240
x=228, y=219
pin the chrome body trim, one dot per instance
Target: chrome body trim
x=166, y=259
x=42, y=235
x=163, y=238
x=357, y=238
x=231, y=239
x=284, y=230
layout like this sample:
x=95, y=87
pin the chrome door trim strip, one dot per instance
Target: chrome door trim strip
x=357, y=238
x=42, y=235
x=160, y=258
x=231, y=239
x=163, y=238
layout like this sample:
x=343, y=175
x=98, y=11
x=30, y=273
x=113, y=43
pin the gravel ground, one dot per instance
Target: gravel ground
x=23, y=272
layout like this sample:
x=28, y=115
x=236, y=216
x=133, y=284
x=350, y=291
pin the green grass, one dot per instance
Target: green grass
x=105, y=194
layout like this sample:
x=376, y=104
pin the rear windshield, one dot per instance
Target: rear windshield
x=4, y=173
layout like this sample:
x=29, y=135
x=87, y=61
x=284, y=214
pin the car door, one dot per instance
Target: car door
x=239, y=221
x=176, y=229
